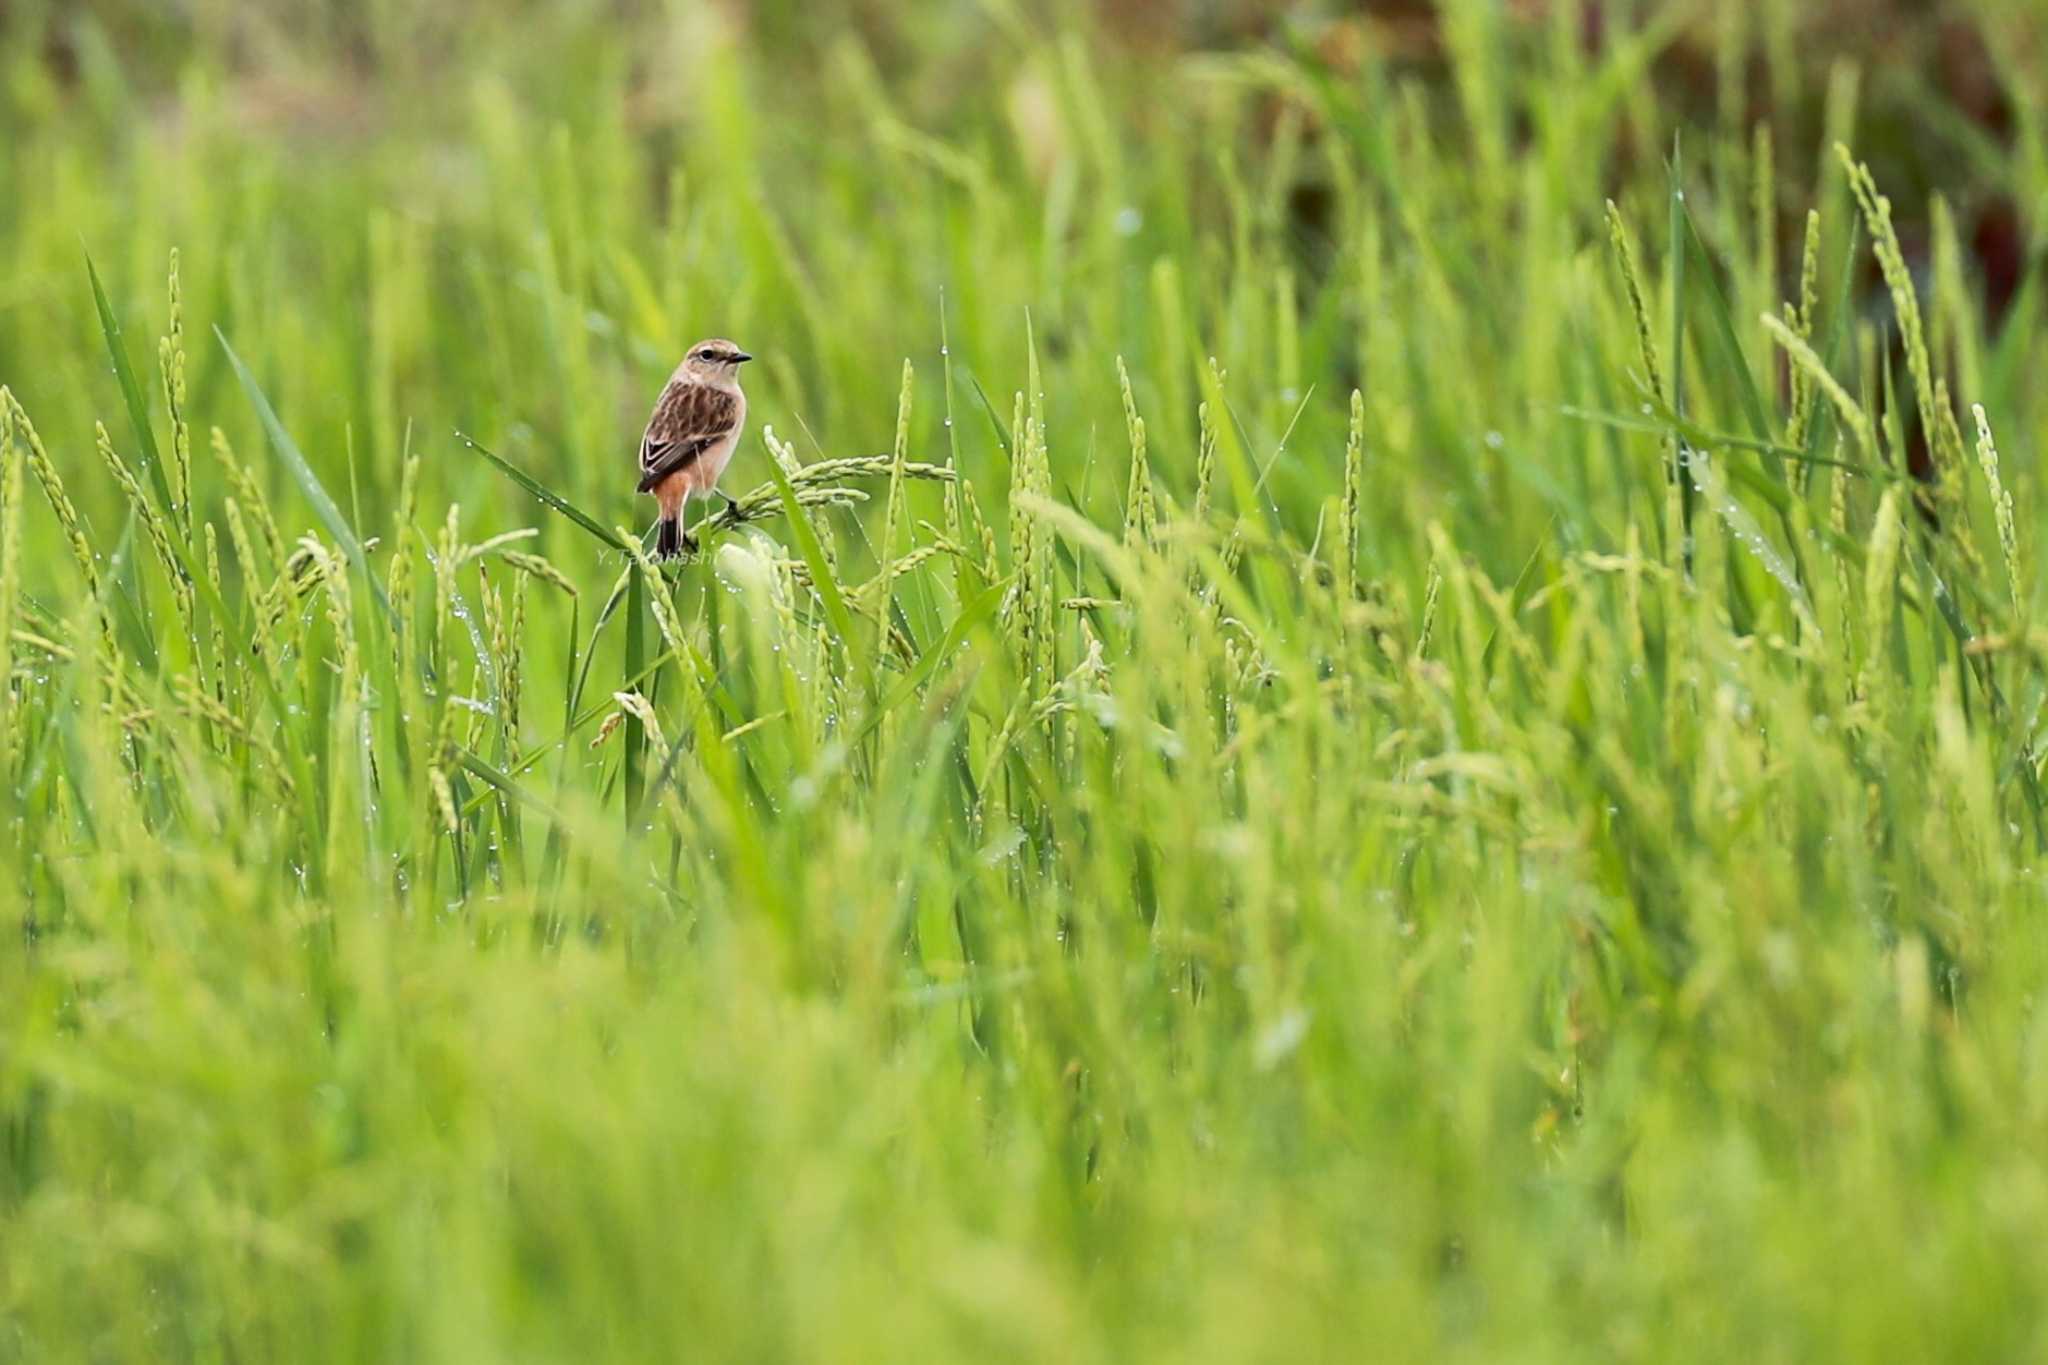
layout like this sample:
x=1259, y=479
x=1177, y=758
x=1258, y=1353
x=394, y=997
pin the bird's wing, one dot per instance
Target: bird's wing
x=688, y=420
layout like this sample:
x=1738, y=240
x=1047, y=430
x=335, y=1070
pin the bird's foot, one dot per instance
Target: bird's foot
x=734, y=513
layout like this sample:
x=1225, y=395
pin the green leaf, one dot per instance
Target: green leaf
x=1716, y=440
x=309, y=483
x=1723, y=333
x=545, y=494
x=476, y=765
x=131, y=393
x=995, y=419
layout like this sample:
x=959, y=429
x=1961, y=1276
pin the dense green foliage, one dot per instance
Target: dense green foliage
x=1241, y=825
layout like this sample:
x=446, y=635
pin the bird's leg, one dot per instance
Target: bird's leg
x=689, y=540
x=732, y=510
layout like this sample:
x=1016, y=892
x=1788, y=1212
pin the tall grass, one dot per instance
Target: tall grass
x=1416, y=780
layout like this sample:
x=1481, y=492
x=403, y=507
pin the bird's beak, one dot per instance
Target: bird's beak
x=741, y=358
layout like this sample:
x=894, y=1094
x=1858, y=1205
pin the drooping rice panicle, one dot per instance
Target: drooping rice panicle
x=254, y=502
x=2001, y=511
x=1898, y=278
x=537, y=566
x=244, y=547
x=444, y=798
x=985, y=536
x=1847, y=408
x=38, y=462
x=1625, y=262
x=158, y=531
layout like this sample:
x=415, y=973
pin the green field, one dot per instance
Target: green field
x=1322, y=741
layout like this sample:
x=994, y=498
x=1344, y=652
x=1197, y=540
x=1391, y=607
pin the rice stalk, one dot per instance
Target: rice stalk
x=1625, y=262
x=2001, y=511
x=537, y=566
x=47, y=479
x=222, y=666
x=1140, y=516
x=1800, y=318
x=205, y=707
x=893, y=515
x=444, y=798
x=11, y=491
x=159, y=534
x=171, y=366
x=447, y=554
x=1354, y=481
x=399, y=577
x=1838, y=519
x=254, y=500
x=245, y=555
x=1205, y=462
x=514, y=667
x=1847, y=408
x=1898, y=278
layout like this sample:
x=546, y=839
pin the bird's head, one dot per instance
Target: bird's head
x=717, y=359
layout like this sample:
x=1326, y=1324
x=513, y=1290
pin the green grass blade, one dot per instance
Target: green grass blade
x=1723, y=334
x=545, y=494
x=131, y=394
x=503, y=783
x=302, y=473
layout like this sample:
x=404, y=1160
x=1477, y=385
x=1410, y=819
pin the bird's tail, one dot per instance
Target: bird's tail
x=668, y=538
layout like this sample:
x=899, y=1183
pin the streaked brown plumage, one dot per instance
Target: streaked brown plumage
x=691, y=436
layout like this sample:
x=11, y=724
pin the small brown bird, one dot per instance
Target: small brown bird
x=691, y=437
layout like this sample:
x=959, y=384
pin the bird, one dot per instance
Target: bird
x=691, y=437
